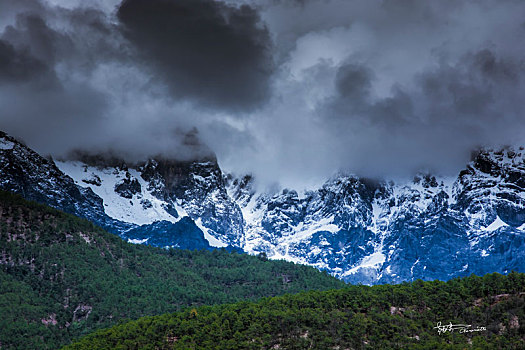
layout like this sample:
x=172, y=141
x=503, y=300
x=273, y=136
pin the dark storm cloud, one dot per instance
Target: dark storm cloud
x=207, y=51
x=27, y=46
x=69, y=79
x=11, y=8
x=39, y=39
x=354, y=99
x=79, y=37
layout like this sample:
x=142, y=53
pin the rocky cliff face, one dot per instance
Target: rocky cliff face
x=160, y=189
x=360, y=230
x=110, y=196
x=366, y=231
x=199, y=189
x=37, y=178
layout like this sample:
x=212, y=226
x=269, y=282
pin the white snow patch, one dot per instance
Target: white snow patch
x=498, y=223
x=115, y=206
x=214, y=242
x=199, y=178
x=138, y=241
x=286, y=256
x=371, y=261
x=5, y=144
x=325, y=224
x=376, y=212
x=484, y=253
x=412, y=268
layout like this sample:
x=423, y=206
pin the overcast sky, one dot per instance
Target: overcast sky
x=290, y=90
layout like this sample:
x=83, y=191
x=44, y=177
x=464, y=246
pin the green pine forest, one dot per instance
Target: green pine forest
x=65, y=281
x=356, y=317
x=62, y=277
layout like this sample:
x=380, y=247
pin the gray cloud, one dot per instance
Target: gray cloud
x=289, y=90
x=70, y=80
x=405, y=85
x=39, y=99
x=353, y=82
x=430, y=123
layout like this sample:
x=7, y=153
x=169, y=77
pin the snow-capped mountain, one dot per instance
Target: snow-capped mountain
x=360, y=230
x=158, y=190
x=106, y=192
x=366, y=231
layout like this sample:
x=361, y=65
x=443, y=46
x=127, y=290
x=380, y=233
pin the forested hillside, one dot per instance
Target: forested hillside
x=357, y=317
x=62, y=277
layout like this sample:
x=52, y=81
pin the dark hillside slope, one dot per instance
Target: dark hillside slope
x=62, y=277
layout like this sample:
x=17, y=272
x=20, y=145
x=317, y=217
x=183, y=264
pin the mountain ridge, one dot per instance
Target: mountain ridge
x=358, y=229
